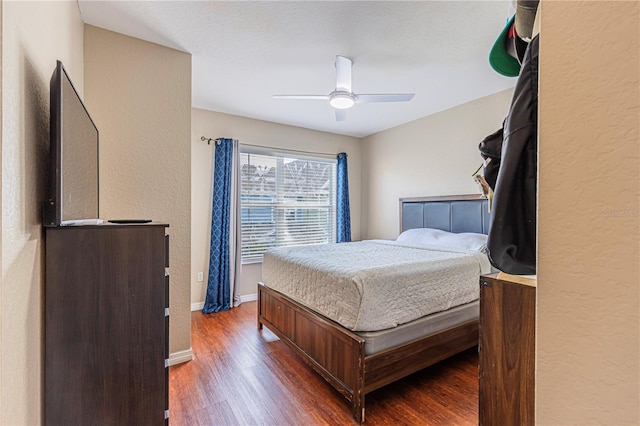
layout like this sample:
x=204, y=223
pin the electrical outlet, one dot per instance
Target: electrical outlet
x=200, y=276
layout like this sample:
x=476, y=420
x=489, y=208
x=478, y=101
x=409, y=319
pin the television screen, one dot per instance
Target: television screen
x=74, y=156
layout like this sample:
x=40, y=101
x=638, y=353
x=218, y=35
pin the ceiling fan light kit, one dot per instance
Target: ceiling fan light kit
x=342, y=97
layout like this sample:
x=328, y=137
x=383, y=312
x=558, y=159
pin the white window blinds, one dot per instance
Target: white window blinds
x=286, y=201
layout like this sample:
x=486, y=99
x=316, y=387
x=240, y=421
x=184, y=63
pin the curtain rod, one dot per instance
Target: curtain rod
x=289, y=150
x=209, y=140
x=217, y=140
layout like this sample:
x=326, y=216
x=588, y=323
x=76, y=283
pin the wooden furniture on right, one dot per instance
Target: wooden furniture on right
x=507, y=350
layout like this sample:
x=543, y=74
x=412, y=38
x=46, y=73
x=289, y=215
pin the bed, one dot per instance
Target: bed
x=362, y=349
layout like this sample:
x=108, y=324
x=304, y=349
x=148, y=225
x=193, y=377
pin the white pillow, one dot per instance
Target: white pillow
x=438, y=237
x=421, y=236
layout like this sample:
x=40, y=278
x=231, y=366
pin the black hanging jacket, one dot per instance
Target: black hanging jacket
x=512, y=233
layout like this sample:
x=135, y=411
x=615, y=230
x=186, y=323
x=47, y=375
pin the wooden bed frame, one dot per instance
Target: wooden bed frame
x=337, y=353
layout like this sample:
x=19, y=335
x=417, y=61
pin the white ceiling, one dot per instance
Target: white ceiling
x=244, y=52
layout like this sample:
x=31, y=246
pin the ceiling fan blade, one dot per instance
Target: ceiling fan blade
x=343, y=74
x=341, y=114
x=391, y=97
x=321, y=97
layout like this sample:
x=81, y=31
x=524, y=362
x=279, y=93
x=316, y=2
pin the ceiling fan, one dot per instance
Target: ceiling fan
x=342, y=97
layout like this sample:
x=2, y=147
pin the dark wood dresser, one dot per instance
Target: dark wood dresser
x=507, y=350
x=106, y=325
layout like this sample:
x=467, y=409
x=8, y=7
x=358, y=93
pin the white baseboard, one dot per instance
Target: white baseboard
x=249, y=298
x=197, y=306
x=180, y=357
x=246, y=298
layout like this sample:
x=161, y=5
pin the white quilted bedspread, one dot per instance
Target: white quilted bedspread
x=375, y=284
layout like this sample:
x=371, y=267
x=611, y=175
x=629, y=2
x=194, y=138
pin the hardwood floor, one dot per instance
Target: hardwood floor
x=240, y=376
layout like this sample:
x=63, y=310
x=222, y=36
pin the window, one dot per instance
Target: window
x=286, y=201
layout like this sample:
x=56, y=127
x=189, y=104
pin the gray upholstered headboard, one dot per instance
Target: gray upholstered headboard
x=453, y=213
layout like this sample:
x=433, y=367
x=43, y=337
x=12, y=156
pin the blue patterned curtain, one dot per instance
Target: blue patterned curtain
x=342, y=210
x=218, y=296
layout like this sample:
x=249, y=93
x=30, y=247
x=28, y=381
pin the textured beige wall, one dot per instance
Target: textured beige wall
x=589, y=214
x=434, y=155
x=34, y=35
x=139, y=95
x=256, y=132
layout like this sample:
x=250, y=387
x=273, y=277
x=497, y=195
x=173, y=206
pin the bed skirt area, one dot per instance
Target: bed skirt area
x=339, y=355
x=378, y=341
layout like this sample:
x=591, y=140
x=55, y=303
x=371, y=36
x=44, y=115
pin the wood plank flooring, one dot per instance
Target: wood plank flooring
x=241, y=376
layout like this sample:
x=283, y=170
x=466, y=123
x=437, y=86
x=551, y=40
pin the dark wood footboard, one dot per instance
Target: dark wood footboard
x=337, y=354
x=331, y=350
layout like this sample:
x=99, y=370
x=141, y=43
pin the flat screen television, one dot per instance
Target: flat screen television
x=73, y=185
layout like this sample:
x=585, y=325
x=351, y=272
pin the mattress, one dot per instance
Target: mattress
x=375, y=285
